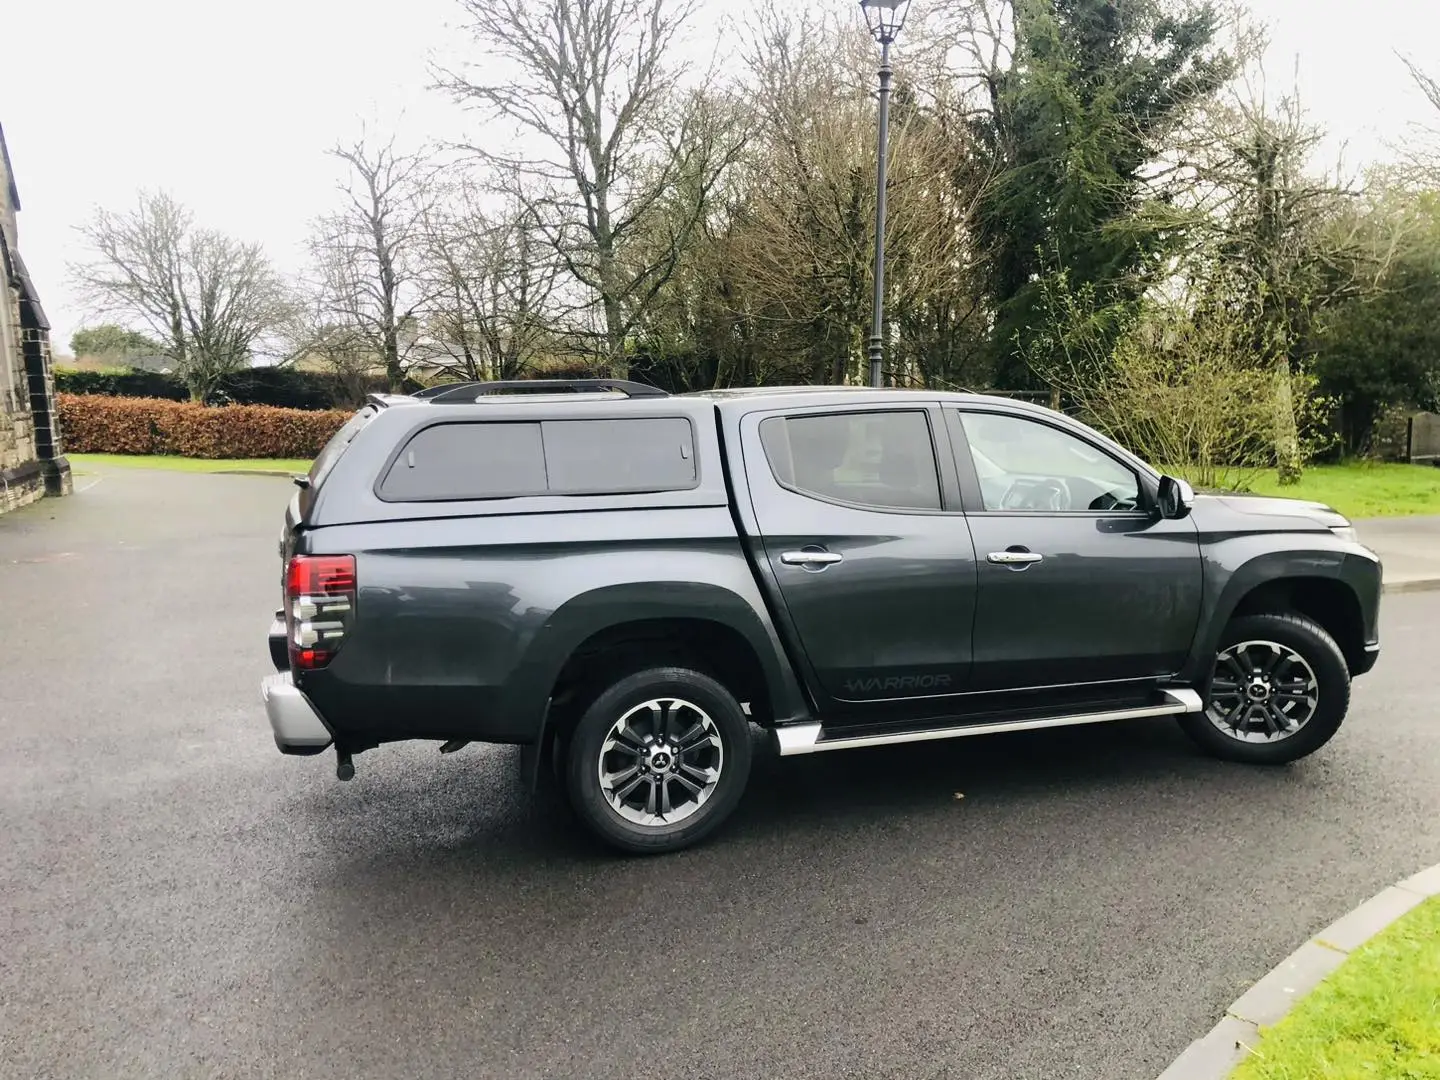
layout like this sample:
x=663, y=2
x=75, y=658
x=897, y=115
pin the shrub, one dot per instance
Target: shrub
x=121, y=382
x=93, y=424
x=286, y=388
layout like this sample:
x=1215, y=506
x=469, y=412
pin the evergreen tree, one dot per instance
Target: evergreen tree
x=1087, y=101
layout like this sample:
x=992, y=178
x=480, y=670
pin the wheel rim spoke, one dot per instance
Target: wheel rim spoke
x=1282, y=722
x=625, y=792
x=688, y=784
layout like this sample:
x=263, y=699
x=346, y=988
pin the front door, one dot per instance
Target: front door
x=1079, y=581
x=862, y=539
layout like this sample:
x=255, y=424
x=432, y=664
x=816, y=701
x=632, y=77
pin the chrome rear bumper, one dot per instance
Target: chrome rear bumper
x=297, y=726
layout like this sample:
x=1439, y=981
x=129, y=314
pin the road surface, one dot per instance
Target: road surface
x=178, y=900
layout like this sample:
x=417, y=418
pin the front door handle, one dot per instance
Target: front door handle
x=1015, y=558
x=809, y=559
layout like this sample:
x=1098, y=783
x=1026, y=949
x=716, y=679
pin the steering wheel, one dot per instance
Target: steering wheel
x=1039, y=495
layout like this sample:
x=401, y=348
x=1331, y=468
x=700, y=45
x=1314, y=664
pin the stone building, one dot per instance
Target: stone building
x=31, y=461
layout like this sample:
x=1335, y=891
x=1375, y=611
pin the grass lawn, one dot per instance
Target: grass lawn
x=287, y=466
x=1361, y=490
x=1376, y=1017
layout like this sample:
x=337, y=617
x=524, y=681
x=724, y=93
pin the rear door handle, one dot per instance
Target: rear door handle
x=811, y=558
x=1015, y=558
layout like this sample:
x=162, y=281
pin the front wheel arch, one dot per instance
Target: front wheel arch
x=1328, y=602
x=1273, y=584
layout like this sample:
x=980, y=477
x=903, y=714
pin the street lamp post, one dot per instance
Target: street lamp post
x=885, y=19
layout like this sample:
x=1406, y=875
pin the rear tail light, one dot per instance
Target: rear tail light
x=319, y=603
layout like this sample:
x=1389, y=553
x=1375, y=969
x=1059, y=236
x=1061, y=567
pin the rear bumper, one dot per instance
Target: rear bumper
x=297, y=726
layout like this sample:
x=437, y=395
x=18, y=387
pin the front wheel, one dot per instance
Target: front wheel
x=658, y=760
x=1279, y=692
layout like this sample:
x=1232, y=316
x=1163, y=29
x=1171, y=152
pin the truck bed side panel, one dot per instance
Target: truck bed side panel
x=462, y=624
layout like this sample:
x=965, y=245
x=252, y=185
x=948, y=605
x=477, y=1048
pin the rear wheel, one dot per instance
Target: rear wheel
x=1280, y=690
x=658, y=760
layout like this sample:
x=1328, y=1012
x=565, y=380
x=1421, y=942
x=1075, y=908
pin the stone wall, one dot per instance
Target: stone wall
x=22, y=478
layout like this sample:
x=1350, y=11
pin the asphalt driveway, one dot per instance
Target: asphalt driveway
x=177, y=900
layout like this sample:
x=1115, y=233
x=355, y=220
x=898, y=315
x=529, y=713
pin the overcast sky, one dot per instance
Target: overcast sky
x=232, y=113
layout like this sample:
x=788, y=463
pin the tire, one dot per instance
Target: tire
x=673, y=749
x=1237, y=725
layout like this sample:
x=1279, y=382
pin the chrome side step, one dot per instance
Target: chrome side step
x=810, y=738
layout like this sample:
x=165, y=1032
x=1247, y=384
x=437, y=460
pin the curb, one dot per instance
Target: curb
x=1408, y=585
x=1215, y=1054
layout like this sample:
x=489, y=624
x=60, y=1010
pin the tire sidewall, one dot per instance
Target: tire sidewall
x=1332, y=676
x=582, y=781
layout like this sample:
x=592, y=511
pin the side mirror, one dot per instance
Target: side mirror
x=1176, y=499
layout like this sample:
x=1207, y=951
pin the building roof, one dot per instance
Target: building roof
x=9, y=172
x=28, y=293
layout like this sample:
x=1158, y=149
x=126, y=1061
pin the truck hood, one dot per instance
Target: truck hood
x=1265, y=513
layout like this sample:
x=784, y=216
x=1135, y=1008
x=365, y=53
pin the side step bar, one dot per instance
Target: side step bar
x=811, y=738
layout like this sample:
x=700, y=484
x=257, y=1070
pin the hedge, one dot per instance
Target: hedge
x=94, y=424
x=286, y=388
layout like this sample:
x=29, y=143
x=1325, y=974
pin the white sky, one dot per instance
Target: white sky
x=232, y=112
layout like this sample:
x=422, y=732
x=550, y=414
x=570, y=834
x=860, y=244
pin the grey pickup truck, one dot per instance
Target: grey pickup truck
x=625, y=583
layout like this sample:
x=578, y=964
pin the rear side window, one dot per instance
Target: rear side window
x=880, y=459
x=468, y=461
x=552, y=457
x=598, y=456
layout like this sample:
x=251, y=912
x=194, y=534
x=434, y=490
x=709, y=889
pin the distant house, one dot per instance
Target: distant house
x=31, y=462
x=159, y=365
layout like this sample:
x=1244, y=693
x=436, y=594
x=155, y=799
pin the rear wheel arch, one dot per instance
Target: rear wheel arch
x=709, y=646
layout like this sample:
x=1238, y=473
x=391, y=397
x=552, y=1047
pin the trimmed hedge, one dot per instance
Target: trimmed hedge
x=285, y=388
x=142, y=384
x=94, y=424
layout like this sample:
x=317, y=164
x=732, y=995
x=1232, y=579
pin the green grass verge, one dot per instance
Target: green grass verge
x=1377, y=1016
x=1361, y=490
x=287, y=466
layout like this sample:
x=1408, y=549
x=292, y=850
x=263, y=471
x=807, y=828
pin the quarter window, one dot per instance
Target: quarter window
x=1026, y=465
x=880, y=459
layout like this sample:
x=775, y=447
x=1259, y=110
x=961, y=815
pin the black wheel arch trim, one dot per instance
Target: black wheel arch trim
x=615, y=606
x=1358, y=573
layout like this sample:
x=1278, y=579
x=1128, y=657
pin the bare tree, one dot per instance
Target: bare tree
x=806, y=245
x=1428, y=84
x=338, y=349
x=491, y=279
x=366, y=253
x=208, y=298
x=1267, y=250
x=620, y=137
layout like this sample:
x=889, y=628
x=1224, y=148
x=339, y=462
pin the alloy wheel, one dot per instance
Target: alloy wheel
x=1262, y=692
x=661, y=762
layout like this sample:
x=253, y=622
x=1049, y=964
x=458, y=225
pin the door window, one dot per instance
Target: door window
x=879, y=459
x=1026, y=465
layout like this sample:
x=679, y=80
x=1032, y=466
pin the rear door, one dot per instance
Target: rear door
x=863, y=543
